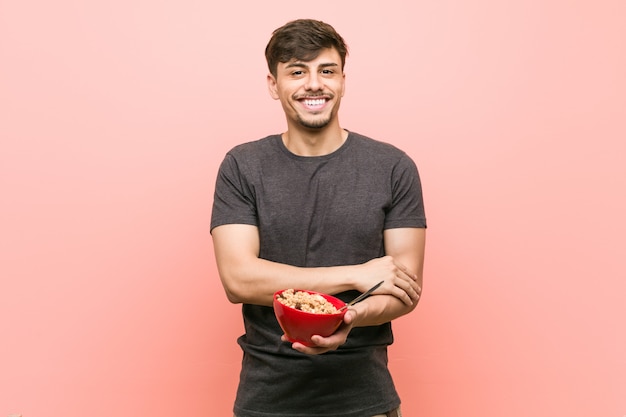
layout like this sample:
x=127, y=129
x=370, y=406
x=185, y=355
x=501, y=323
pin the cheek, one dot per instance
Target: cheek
x=342, y=89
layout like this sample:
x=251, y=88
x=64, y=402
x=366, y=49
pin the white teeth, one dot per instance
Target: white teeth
x=316, y=102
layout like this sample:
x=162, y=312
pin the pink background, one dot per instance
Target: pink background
x=115, y=114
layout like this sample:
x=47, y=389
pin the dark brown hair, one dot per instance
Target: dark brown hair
x=303, y=39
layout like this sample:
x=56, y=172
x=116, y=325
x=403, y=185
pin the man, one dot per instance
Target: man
x=318, y=208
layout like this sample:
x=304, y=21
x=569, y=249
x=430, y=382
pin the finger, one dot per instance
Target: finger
x=409, y=290
x=406, y=272
x=322, y=345
x=402, y=295
x=411, y=285
x=308, y=350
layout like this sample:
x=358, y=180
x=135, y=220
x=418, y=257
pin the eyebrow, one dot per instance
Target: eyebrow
x=300, y=64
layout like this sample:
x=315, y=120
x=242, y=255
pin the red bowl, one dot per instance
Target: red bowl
x=300, y=325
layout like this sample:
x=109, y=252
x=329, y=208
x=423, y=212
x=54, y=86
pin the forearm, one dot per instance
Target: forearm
x=379, y=309
x=255, y=280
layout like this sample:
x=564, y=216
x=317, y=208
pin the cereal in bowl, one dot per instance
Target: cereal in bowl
x=304, y=301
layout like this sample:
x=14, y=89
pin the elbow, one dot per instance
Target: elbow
x=233, y=294
x=402, y=309
x=232, y=277
x=232, y=290
x=232, y=297
x=242, y=288
x=405, y=309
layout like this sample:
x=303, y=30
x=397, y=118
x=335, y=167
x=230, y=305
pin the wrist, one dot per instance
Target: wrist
x=351, y=276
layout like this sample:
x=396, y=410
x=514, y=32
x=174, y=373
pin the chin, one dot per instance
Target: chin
x=315, y=124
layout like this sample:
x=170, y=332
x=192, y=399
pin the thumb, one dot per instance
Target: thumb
x=350, y=316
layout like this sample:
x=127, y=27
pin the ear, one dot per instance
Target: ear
x=272, y=86
x=343, y=87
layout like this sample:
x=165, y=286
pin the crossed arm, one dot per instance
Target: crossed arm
x=246, y=278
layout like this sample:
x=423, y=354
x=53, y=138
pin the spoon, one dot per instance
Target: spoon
x=362, y=296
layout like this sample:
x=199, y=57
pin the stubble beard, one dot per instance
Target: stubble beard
x=314, y=124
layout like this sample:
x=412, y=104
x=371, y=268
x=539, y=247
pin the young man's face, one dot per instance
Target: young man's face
x=310, y=91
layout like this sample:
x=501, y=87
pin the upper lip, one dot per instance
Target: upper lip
x=314, y=97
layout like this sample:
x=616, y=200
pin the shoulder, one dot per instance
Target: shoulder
x=252, y=156
x=369, y=143
x=375, y=149
x=264, y=145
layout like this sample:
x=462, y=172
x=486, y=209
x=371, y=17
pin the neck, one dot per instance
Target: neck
x=314, y=142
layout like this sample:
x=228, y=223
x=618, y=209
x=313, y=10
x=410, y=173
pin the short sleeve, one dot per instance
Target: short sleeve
x=407, y=207
x=234, y=201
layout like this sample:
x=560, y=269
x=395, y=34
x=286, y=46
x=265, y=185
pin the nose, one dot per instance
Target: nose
x=314, y=82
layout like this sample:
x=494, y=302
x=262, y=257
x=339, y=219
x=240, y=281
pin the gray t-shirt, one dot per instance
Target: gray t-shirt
x=316, y=211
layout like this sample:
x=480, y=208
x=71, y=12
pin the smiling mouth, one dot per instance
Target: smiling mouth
x=316, y=103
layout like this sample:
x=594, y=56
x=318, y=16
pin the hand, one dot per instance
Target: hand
x=399, y=281
x=332, y=342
